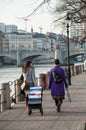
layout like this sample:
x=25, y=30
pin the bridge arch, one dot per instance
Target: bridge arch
x=7, y=60
x=30, y=57
x=72, y=57
x=38, y=53
x=38, y=58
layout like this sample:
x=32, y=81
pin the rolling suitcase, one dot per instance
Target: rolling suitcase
x=35, y=99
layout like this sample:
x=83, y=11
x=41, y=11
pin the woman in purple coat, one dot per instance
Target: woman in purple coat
x=57, y=87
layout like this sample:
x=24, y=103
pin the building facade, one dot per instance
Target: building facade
x=77, y=29
x=15, y=39
x=8, y=28
x=19, y=41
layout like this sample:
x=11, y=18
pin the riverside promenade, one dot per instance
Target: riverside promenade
x=71, y=116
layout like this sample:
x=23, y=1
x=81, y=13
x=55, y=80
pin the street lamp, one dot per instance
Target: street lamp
x=68, y=19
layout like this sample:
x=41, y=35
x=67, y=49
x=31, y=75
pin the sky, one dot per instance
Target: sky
x=12, y=11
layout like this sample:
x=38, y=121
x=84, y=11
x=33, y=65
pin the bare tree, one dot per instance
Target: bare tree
x=76, y=8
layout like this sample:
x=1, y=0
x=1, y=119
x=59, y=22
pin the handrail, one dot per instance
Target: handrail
x=14, y=95
x=3, y=89
x=11, y=83
x=2, y=102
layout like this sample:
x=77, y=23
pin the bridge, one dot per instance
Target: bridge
x=21, y=56
x=73, y=54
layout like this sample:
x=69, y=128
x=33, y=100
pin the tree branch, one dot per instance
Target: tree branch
x=43, y=2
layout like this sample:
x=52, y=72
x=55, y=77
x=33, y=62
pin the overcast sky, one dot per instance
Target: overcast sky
x=11, y=12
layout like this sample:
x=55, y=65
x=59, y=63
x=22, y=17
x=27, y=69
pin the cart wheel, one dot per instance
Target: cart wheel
x=41, y=110
x=30, y=112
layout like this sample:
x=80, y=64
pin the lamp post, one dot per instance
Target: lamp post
x=69, y=70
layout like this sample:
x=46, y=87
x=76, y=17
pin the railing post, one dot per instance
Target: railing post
x=3, y=99
x=47, y=80
x=73, y=70
x=8, y=102
x=41, y=80
x=18, y=95
x=0, y=101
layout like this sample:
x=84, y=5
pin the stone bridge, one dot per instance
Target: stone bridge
x=73, y=54
x=24, y=55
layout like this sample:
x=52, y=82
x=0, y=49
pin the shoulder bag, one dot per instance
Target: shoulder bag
x=24, y=84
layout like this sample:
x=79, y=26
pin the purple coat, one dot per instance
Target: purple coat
x=57, y=89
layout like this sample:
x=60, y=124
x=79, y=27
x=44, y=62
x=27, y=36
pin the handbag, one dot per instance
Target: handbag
x=21, y=79
x=24, y=85
x=22, y=92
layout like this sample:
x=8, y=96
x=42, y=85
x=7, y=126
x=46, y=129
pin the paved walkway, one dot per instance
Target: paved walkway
x=71, y=115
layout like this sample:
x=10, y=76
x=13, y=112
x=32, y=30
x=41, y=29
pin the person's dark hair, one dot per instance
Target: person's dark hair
x=25, y=66
x=28, y=63
x=56, y=61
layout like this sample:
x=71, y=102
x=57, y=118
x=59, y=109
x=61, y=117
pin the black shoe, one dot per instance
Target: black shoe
x=59, y=105
x=30, y=112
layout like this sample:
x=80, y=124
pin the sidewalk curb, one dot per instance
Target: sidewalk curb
x=82, y=126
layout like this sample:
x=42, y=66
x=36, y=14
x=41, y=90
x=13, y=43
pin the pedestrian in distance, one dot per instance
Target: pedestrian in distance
x=57, y=84
x=28, y=72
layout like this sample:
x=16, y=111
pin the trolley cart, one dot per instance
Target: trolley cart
x=35, y=99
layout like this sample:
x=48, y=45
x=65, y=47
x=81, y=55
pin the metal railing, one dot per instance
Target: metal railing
x=13, y=97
